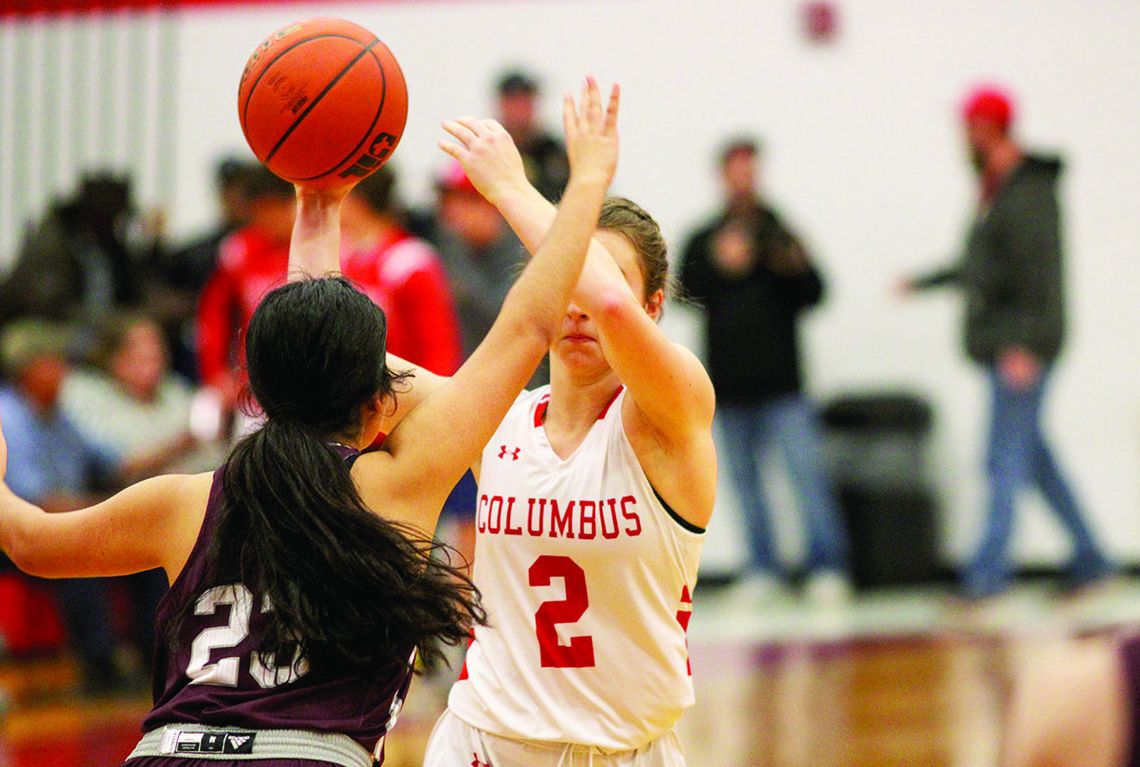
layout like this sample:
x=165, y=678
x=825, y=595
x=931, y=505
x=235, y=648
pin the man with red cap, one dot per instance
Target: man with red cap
x=1010, y=273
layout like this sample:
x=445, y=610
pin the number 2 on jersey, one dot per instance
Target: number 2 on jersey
x=580, y=652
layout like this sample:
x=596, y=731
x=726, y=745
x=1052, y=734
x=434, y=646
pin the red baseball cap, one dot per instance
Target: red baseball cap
x=990, y=103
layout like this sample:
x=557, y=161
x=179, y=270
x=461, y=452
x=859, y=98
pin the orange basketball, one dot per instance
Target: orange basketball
x=322, y=102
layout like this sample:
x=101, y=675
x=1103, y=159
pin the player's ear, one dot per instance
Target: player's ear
x=655, y=304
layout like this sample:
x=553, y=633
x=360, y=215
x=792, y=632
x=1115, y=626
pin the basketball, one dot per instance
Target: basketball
x=322, y=102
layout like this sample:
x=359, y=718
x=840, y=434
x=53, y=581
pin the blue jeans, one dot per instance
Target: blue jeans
x=1017, y=457
x=789, y=423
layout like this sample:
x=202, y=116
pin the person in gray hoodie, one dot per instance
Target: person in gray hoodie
x=1011, y=275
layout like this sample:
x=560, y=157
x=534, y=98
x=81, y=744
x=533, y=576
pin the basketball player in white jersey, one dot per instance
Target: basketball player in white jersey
x=594, y=494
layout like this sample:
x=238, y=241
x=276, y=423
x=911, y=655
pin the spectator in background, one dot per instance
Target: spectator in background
x=480, y=254
x=754, y=278
x=187, y=269
x=251, y=262
x=52, y=466
x=481, y=257
x=544, y=155
x=401, y=274
x=130, y=405
x=76, y=263
x=1011, y=275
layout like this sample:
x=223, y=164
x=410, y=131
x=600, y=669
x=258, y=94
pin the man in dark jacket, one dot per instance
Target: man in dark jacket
x=1011, y=275
x=754, y=279
x=543, y=154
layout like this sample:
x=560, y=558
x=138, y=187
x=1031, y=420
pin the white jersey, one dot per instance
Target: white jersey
x=587, y=579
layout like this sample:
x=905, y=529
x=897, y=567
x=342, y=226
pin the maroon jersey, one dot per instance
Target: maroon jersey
x=212, y=674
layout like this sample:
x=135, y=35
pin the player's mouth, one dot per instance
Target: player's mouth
x=578, y=338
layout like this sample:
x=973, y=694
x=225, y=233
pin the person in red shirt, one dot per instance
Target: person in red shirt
x=251, y=262
x=402, y=275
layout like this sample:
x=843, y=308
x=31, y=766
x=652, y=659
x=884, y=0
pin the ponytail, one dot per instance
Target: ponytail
x=342, y=582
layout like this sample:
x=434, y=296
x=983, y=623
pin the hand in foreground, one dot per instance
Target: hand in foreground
x=488, y=156
x=591, y=135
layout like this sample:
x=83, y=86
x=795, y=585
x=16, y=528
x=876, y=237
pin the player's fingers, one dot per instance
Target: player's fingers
x=583, y=101
x=451, y=148
x=593, y=104
x=612, y=110
x=473, y=124
x=460, y=131
x=569, y=116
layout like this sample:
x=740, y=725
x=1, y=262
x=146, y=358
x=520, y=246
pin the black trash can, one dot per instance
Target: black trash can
x=876, y=446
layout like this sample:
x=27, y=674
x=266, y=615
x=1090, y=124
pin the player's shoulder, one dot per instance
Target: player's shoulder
x=522, y=412
x=529, y=398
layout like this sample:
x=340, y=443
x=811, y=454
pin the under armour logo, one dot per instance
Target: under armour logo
x=476, y=763
x=514, y=453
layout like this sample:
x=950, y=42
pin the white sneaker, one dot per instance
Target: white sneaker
x=757, y=589
x=828, y=588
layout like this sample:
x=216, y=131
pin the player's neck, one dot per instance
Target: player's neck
x=577, y=399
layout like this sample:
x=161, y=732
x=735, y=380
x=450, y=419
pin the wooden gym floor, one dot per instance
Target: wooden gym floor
x=900, y=679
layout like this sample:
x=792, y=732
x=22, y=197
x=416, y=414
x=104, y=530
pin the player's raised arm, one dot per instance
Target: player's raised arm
x=448, y=431
x=667, y=382
x=314, y=250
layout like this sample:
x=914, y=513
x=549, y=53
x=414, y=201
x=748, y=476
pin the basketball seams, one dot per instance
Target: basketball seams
x=367, y=133
x=317, y=100
x=275, y=59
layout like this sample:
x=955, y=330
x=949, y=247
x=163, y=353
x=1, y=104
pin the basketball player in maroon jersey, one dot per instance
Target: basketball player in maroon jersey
x=300, y=582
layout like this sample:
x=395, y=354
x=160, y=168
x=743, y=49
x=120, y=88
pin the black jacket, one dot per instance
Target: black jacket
x=753, y=350
x=1011, y=269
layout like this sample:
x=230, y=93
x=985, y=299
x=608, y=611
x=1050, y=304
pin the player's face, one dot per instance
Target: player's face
x=578, y=342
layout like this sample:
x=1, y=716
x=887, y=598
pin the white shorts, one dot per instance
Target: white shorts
x=454, y=743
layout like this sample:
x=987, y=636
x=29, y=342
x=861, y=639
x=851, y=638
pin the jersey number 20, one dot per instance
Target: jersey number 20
x=580, y=652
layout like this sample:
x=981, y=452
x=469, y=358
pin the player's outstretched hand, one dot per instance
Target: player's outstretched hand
x=591, y=134
x=488, y=155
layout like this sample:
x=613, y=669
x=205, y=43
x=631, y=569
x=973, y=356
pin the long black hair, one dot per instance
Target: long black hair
x=343, y=582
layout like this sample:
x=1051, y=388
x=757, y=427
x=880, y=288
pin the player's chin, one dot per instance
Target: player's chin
x=580, y=356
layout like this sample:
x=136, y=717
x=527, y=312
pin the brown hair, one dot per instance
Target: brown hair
x=630, y=220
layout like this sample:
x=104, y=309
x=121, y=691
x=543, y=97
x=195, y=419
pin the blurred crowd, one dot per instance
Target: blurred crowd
x=121, y=351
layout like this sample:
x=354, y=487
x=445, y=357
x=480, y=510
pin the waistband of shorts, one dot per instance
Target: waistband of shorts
x=560, y=746
x=195, y=741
